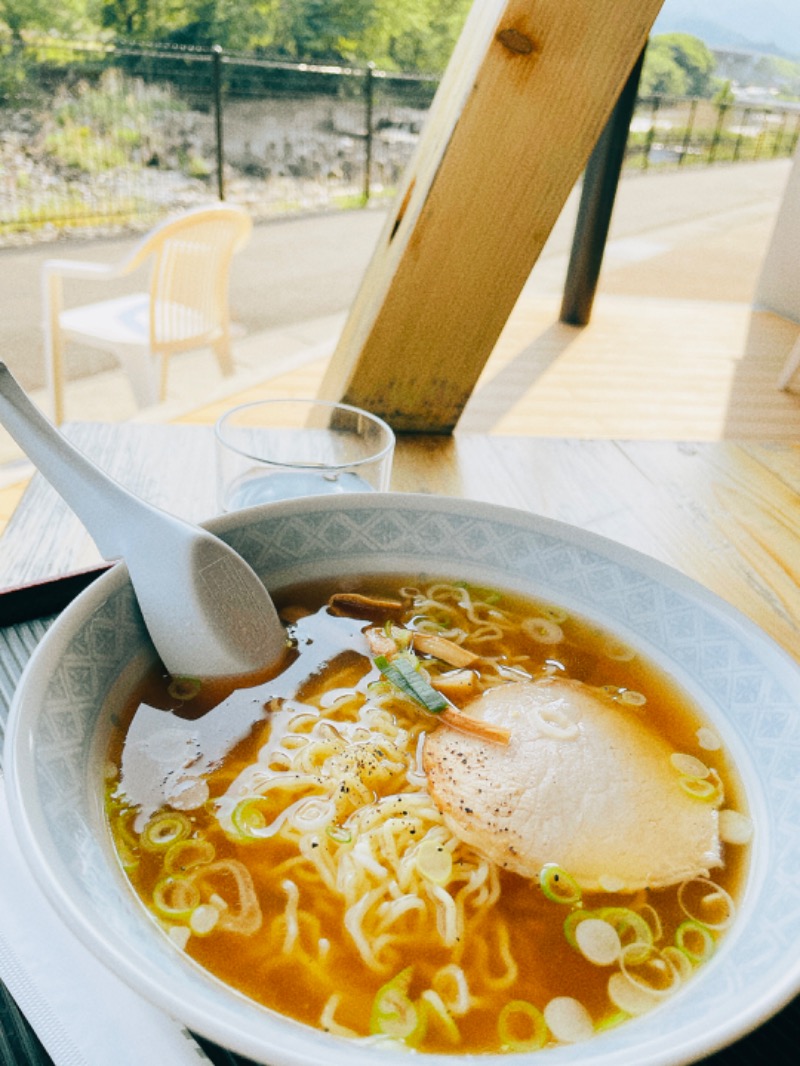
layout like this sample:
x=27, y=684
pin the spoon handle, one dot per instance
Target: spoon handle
x=102, y=504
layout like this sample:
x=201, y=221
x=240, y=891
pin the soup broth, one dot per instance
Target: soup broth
x=285, y=837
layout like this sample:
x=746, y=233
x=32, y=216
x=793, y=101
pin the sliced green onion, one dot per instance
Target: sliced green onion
x=204, y=919
x=408, y=680
x=559, y=886
x=165, y=829
x=619, y=651
x=634, y=930
x=598, y=941
x=706, y=903
x=125, y=837
x=611, y=1021
x=401, y=636
x=735, y=827
x=175, y=897
x=695, y=941
x=488, y=595
x=568, y=1019
x=253, y=817
x=542, y=630
x=521, y=1027
x=651, y=916
x=184, y=854
x=434, y=862
x=184, y=688
x=339, y=834
x=571, y=922
x=678, y=960
x=708, y=789
x=689, y=765
x=632, y=698
x=650, y=970
x=393, y=1014
x=433, y=1008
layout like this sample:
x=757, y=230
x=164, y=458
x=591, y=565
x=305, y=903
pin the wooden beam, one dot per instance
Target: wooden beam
x=526, y=94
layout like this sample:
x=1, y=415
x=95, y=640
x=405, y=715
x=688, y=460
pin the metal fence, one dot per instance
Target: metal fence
x=678, y=130
x=99, y=137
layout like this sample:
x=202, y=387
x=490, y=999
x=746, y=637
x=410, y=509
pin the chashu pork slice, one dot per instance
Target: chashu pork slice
x=583, y=783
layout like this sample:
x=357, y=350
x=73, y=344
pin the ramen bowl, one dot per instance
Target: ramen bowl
x=92, y=656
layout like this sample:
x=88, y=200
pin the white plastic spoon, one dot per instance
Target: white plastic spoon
x=207, y=612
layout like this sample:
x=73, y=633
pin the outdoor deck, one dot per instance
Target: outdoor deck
x=674, y=349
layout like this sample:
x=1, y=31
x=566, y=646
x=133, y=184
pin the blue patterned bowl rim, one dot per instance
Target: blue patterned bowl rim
x=747, y=685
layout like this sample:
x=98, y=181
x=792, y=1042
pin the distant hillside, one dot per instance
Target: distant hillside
x=771, y=27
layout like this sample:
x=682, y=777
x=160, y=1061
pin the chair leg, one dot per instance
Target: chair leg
x=222, y=350
x=790, y=367
x=142, y=371
x=54, y=360
x=53, y=346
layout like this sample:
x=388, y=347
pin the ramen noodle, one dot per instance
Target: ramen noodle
x=289, y=838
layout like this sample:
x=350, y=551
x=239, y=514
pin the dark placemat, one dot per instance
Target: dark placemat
x=19, y=1045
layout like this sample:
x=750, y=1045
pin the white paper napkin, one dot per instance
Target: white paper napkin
x=82, y=1013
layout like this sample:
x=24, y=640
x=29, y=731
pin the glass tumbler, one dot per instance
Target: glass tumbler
x=278, y=449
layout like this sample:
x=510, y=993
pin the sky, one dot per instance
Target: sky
x=736, y=22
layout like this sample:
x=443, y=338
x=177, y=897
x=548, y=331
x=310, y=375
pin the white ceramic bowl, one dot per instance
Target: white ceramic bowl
x=748, y=687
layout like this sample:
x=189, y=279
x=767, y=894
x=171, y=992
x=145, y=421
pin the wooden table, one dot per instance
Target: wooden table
x=725, y=514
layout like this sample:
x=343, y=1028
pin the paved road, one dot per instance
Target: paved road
x=294, y=270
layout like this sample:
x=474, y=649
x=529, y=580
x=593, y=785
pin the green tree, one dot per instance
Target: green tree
x=142, y=20
x=397, y=34
x=69, y=17
x=661, y=75
x=413, y=35
x=679, y=64
x=408, y=35
x=234, y=25
x=318, y=29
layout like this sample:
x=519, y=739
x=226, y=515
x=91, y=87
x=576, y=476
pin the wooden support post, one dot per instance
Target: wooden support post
x=600, y=181
x=527, y=92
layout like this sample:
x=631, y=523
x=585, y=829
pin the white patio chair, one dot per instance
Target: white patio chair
x=790, y=367
x=185, y=306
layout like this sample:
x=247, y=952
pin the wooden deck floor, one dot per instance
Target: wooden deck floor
x=643, y=369
x=673, y=350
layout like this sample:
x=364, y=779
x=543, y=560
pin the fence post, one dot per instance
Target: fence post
x=600, y=181
x=778, y=142
x=687, y=136
x=742, y=127
x=651, y=133
x=795, y=137
x=369, y=103
x=216, y=67
x=721, y=113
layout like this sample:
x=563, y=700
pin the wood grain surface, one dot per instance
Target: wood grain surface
x=726, y=514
